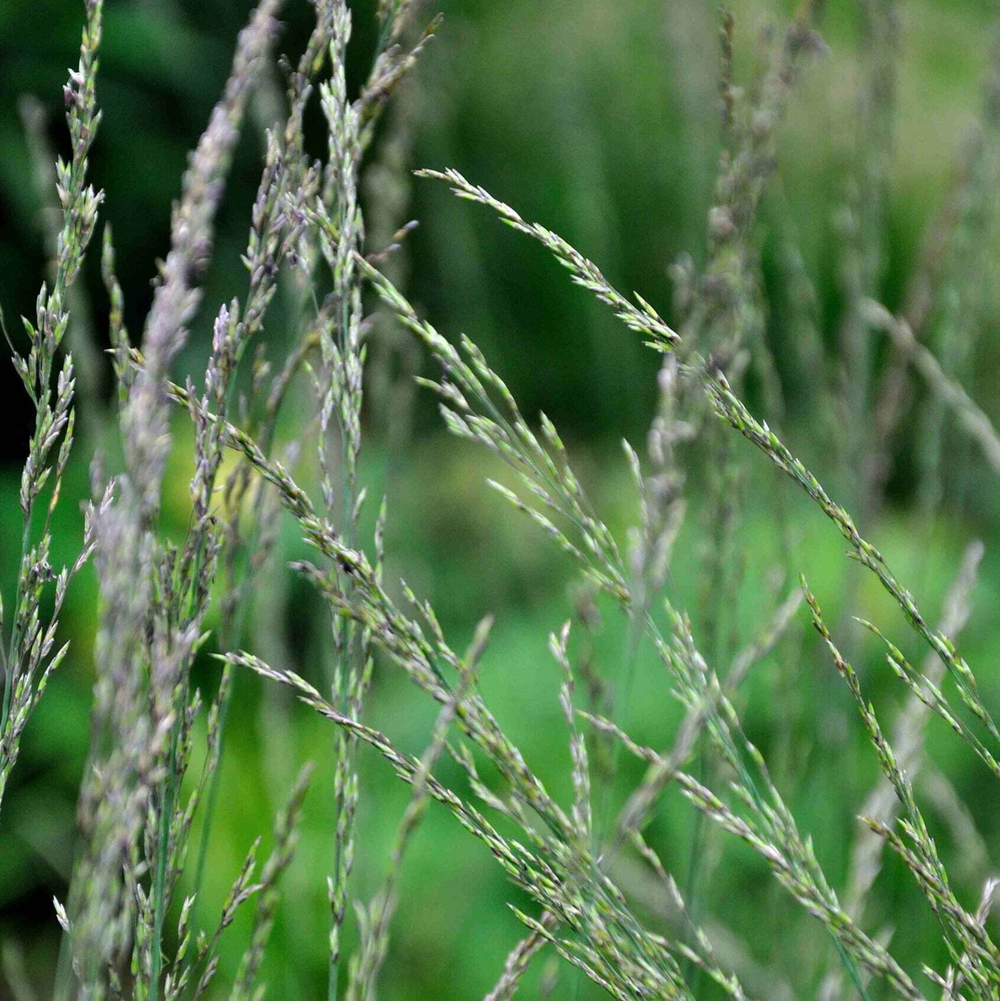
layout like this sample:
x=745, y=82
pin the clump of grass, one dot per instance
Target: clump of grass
x=138, y=802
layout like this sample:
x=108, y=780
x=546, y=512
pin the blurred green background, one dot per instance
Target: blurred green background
x=600, y=120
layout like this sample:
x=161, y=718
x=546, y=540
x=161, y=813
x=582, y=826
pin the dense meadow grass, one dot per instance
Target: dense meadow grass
x=611, y=662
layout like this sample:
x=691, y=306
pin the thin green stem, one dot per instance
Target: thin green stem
x=168, y=792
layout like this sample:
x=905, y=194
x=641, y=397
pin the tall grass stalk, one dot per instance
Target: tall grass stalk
x=28, y=659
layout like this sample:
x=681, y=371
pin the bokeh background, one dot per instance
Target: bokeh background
x=599, y=119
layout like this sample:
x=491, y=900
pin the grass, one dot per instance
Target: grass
x=609, y=890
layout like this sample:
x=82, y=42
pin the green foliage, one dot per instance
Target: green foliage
x=661, y=805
